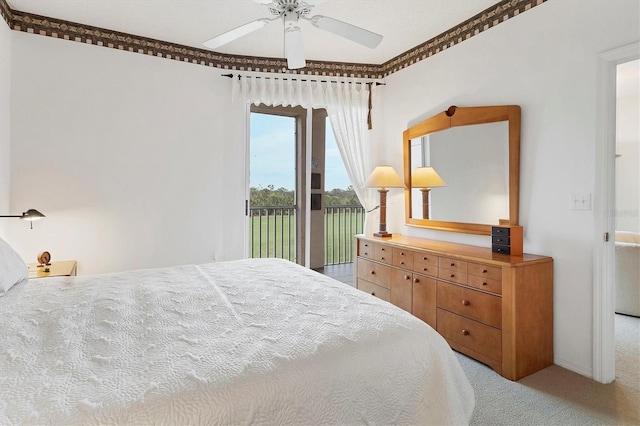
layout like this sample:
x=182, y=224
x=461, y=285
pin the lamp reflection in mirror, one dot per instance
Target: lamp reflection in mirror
x=30, y=215
x=426, y=178
x=383, y=177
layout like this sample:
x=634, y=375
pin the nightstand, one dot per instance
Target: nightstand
x=61, y=268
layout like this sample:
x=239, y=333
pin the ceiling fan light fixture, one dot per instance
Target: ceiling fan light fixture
x=294, y=48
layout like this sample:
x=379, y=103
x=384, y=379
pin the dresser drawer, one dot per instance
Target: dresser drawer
x=374, y=290
x=473, y=304
x=403, y=258
x=451, y=275
x=383, y=254
x=470, y=334
x=374, y=272
x=366, y=249
x=452, y=264
x=480, y=270
x=425, y=269
x=425, y=259
x=487, y=284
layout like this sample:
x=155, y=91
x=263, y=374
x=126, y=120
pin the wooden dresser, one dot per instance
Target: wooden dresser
x=493, y=307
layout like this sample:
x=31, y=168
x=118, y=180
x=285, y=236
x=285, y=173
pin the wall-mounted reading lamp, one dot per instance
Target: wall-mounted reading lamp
x=30, y=215
x=426, y=178
x=383, y=177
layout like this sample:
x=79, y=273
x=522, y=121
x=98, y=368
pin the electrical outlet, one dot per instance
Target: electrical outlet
x=580, y=201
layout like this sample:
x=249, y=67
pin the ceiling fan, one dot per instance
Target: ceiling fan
x=291, y=11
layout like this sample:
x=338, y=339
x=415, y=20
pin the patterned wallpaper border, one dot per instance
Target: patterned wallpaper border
x=58, y=28
x=6, y=12
x=483, y=21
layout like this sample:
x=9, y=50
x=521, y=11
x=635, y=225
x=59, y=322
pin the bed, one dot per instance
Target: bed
x=258, y=341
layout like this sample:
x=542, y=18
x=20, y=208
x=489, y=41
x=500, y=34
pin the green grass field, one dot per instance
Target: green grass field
x=277, y=234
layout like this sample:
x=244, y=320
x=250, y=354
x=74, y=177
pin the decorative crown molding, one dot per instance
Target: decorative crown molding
x=66, y=30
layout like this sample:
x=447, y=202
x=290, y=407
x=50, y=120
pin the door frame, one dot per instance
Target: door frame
x=604, y=211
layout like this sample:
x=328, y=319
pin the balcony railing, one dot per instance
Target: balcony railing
x=341, y=223
x=273, y=232
x=273, y=229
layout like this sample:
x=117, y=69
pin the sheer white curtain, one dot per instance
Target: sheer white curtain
x=347, y=108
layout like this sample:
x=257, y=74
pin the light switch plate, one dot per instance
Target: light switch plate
x=580, y=201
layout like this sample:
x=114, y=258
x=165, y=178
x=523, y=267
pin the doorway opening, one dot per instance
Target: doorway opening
x=272, y=185
x=276, y=205
x=300, y=203
x=627, y=223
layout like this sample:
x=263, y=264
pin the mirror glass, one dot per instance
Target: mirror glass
x=479, y=194
x=476, y=152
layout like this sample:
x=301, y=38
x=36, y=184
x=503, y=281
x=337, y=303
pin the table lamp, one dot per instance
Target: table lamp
x=383, y=177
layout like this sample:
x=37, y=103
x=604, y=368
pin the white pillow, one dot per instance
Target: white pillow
x=12, y=267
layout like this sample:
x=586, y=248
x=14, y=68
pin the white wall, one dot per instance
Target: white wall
x=5, y=122
x=544, y=60
x=136, y=161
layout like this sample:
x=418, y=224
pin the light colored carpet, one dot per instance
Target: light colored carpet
x=556, y=396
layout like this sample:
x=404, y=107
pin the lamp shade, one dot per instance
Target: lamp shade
x=426, y=177
x=384, y=177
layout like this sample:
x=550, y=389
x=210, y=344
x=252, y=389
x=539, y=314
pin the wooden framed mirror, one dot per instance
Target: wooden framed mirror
x=476, y=152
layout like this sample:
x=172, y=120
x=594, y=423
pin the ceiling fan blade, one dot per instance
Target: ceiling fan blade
x=236, y=33
x=294, y=49
x=348, y=31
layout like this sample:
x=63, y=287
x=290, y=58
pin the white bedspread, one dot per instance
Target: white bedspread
x=259, y=341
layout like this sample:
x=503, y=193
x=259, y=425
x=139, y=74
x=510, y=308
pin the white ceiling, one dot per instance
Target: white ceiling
x=403, y=23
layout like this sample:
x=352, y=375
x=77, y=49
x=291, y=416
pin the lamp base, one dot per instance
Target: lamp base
x=383, y=234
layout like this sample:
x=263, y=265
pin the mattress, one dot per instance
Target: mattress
x=257, y=341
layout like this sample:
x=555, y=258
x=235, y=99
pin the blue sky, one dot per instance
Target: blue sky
x=273, y=154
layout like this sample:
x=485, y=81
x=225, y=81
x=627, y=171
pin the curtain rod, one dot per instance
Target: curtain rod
x=377, y=83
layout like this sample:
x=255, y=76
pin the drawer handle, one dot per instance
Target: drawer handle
x=366, y=245
x=401, y=253
x=465, y=332
x=373, y=293
x=425, y=258
x=453, y=264
x=382, y=249
x=382, y=258
x=366, y=253
x=415, y=280
x=484, y=271
x=484, y=283
x=402, y=263
x=452, y=275
x=465, y=302
x=372, y=272
x=407, y=277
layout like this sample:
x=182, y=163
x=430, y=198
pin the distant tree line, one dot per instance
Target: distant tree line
x=341, y=197
x=271, y=197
